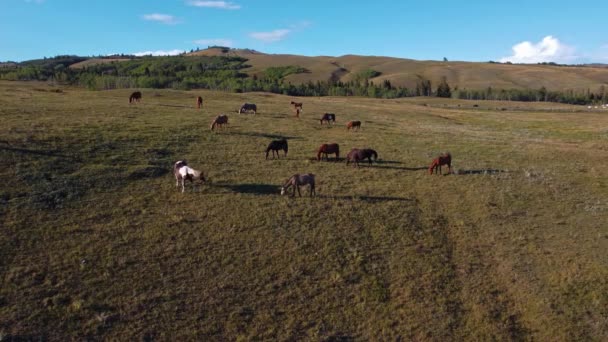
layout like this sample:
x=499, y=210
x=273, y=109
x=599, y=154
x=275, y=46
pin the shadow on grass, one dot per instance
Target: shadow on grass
x=478, y=172
x=265, y=135
x=370, y=199
x=252, y=188
x=40, y=153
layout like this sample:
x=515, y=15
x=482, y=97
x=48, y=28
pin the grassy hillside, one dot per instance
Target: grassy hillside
x=97, y=243
x=406, y=72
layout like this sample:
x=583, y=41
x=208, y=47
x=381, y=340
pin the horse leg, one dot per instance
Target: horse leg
x=299, y=193
x=183, y=185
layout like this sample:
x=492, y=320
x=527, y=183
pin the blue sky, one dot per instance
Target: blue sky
x=518, y=31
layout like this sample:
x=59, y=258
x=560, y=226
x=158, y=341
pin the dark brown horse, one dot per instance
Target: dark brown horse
x=297, y=181
x=276, y=146
x=356, y=155
x=248, y=107
x=135, y=97
x=199, y=102
x=353, y=125
x=443, y=159
x=328, y=117
x=219, y=121
x=326, y=149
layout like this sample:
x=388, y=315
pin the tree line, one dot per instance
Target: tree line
x=226, y=74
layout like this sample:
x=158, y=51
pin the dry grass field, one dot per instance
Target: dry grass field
x=96, y=243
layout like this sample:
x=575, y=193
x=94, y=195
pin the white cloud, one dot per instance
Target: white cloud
x=215, y=4
x=161, y=18
x=160, y=53
x=272, y=36
x=550, y=49
x=217, y=41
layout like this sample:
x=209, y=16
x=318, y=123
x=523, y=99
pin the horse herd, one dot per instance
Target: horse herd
x=183, y=172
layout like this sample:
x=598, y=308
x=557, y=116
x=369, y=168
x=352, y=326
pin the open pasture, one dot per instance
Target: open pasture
x=96, y=242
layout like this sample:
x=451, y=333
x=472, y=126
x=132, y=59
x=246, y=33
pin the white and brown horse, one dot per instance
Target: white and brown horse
x=183, y=172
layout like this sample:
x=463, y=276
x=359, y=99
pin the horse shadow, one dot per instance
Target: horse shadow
x=265, y=135
x=478, y=172
x=370, y=199
x=251, y=188
x=380, y=164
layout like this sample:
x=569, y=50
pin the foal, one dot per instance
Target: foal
x=276, y=146
x=297, y=181
x=443, y=159
x=183, y=172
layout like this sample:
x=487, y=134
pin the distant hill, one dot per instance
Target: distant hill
x=406, y=72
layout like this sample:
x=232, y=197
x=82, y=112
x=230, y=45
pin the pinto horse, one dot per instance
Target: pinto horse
x=219, y=121
x=328, y=117
x=297, y=181
x=443, y=159
x=135, y=97
x=353, y=125
x=356, y=155
x=199, y=102
x=183, y=172
x=248, y=107
x=276, y=146
x=326, y=149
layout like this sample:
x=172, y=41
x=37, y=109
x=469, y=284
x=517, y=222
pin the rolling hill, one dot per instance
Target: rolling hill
x=406, y=72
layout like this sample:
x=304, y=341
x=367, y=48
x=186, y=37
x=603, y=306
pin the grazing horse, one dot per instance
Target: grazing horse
x=248, y=107
x=328, y=117
x=326, y=149
x=443, y=159
x=353, y=125
x=297, y=181
x=183, y=172
x=276, y=146
x=135, y=97
x=355, y=155
x=219, y=121
x=199, y=102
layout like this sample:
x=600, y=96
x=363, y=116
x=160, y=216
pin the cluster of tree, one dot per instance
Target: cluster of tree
x=226, y=74
x=578, y=97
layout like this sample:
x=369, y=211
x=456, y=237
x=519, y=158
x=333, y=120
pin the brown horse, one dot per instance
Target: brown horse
x=353, y=125
x=183, y=173
x=297, y=181
x=296, y=105
x=135, y=97
x=276, y=146
x=442, y=159
x=326, y=149
x=328, y=117
x=219, y=121
x=199, y=102
x=356, y=155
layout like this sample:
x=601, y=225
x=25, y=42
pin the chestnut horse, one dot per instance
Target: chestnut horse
x=276, y=146
x=353, y=125
x=297, y=181
x=326, y=149
x=443, y=159
x=135, y=97
x=219, y=121
x=183, y=172
x=328, y=117
x=199, y=102
x=355, y=155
